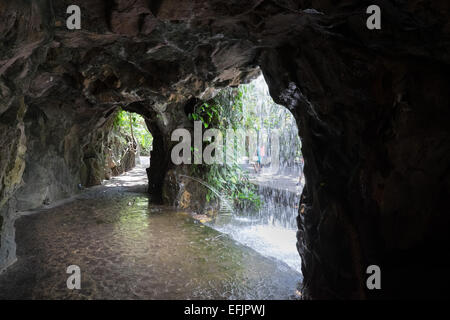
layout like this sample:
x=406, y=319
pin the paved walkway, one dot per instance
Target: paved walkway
x=128, y=248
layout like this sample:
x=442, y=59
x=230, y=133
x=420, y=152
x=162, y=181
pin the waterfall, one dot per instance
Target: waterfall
x=271, y=230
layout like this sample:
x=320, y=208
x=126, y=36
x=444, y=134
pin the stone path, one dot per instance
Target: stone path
x=128, y=248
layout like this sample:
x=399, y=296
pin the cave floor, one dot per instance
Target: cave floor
x=128, y=248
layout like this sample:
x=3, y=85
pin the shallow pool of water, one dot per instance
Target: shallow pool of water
x=128, y=248
x=269, y=240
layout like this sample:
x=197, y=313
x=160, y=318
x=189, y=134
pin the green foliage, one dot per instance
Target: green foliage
x=223, y=112
x=141, y=134
x=121, y=121
x=234, y=182
x=231, y=180
x=247, y=107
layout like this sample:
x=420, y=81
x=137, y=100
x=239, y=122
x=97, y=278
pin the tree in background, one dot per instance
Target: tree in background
x=134, y=125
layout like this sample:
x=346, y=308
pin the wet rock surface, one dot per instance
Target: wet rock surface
x=128, y=248
x=371, y=106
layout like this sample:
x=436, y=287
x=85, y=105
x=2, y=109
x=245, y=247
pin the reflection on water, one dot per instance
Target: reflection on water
x=269, y=240
x=129, y=249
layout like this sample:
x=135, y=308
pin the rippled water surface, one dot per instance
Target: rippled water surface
x=269, y=240
x=128, y=248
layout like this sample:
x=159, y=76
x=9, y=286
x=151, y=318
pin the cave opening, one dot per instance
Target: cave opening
x=127, y=147
x=133, y=127
x=254, y=198
x=252, y=187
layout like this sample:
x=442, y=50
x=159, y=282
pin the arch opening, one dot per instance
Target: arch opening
x=251, y=190
x=276, y=170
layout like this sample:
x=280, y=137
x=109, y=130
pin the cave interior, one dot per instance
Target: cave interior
x=372, y=108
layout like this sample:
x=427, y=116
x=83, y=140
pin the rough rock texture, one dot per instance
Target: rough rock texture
x=372, y=108
x=59, y=158
x=109, y=153
x=183, y=192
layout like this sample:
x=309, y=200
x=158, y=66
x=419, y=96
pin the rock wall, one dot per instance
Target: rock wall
x=371, y=106
x=51, y=158
x=372, y=114
x=110, y=152
x=186, y=193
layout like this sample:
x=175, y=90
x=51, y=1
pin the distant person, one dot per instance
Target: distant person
x=262, y=153
x=257, y=164
x=301, y=171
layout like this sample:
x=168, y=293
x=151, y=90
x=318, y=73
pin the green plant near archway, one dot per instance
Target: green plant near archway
x=134, y=125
